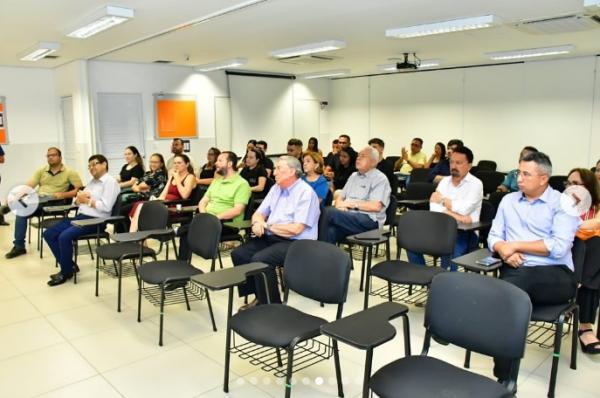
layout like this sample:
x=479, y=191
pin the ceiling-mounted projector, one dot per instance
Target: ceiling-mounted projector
x=406, y=64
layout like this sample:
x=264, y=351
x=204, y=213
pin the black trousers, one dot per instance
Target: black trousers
x=268, y=249
x=587, y=299
x=547, y=285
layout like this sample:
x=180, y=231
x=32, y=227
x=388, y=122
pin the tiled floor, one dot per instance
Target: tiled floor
x=65, y=342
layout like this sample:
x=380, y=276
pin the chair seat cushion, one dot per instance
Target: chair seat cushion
x=397, y=271
x=548, y=313
x=427, y=377
x=114, y=251
x=156, y=272
x=275, y=325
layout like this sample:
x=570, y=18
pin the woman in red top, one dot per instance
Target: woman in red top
x=588, y=293
x=180, y=184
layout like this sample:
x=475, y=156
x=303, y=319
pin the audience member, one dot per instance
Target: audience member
x=294, y=148
x=345, y=169
x=289, y=212
x=458, y=195
x=510, y=181
x=587, y=295
x=384, y=166
x=335, y=147
x=442, y=169
x=179, y=186
x=251, y=144
x=226, y=198
x=345, y=144
x=255, y=173
x=533, y=235
x=415, y=159
x=96, y=200
x=177, y=148
x=268, y=163
x=207, y=171
x=313, y=146
x=53, y=182
x=439, y=154
x=597, y=170
x=133, y=169
x=361, y=205
x=313, y=175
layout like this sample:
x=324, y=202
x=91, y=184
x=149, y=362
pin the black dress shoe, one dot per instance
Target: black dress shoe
x=59, y=274
x=59, y=280
x=15, y=251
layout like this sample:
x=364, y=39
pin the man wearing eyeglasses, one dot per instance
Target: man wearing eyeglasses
x=534, y=235
x=52, y=183
x=95, y=201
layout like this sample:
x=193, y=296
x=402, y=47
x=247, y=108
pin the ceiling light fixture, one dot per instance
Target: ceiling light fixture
x=311, y=48
x=100, y=20
x=530, y=53
x=229, y=63
x=39, y=51
x=425, y=63
x=325, y=73
x=454, y=25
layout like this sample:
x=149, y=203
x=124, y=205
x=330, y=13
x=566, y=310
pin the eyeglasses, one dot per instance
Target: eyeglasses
x=572, y=183
x=90, y=165
x=526, y=174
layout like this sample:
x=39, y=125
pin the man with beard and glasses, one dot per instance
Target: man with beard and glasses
x=226, y=197
x=459, y=195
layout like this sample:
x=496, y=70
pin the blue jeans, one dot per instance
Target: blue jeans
x=60, y=240
x=20, y=231
x=465, y=242
x=339, y=224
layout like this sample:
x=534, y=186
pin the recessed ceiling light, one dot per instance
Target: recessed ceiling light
x=228, y=63
x=425, y=63
x=530, y=52
x=100, y=20
x=39, y=51
x=455, y=25
x=311, y=48
x=325, y=73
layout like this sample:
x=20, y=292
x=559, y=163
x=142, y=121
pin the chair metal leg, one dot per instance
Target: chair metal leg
x=187, y=301
x=212, y=268
x=210, y=311
x=97, y=273
x=278, y=353
x=119, y=283
x=288, y=375
x=367, y=374
x=338, y=369
x=389, y=291
x=574, y=338
x=228, y=341
x=368, y=277
x=140, y=287
x=556, y=354
x=90, y=248
x=467, y=363
x=406, y=325
x=362, y=267
x=162, y=314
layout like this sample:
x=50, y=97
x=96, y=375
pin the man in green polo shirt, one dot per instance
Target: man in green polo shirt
x=226, y=197
x=52, y=182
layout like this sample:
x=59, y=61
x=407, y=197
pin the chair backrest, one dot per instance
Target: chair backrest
x=490, y=180
x=391, y=160
x=116, y=209
x=427, y=232
x=496, y=197
x=328, y=199
x=204, y=234
x=486, y=165
x=153, y=215
x=196, y=194
x=486, y=315
x=419, y=175
x=419, y=190
x=317, y=270
x=488, y=211
x=558, y=182
x=390, y=211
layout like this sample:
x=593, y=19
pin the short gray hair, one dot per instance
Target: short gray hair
x=292, y=163
x=373, y=153
x=541, y=160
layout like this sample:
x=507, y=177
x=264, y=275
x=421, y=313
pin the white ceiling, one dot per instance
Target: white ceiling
x=273, y=24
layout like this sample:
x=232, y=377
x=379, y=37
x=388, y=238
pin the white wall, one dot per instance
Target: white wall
x=32, y=118
x=553, y=105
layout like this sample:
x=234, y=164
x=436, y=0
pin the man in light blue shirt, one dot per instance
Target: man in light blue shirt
x=289, y=212
x=533, y=235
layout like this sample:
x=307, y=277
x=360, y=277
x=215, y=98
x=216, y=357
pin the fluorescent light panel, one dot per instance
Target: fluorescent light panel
x=311, y=48
x=325, y=73
x=100, y=20
x=530, y=53
x=229, y=63
x=39, y=51
x=425, y=63
x=455, y=25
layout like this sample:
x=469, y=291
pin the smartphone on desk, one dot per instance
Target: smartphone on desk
x=488, y=261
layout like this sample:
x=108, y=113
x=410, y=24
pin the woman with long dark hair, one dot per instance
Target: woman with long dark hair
x=313, y=145
x=439, y=153
x=133, y=169
x=254, y=172
x=207, y=172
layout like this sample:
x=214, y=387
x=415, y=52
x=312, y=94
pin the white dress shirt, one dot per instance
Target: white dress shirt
x=466, y=197
x=104, y=192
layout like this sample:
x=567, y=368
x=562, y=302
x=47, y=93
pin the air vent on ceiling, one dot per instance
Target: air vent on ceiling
x=51, y=57
x=307, y=59
x=162, y=61
x=562, y=24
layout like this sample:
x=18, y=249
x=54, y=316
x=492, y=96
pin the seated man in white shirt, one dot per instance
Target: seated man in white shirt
x=459, y=195
x=96, y=200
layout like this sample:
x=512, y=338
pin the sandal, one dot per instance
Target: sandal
x=591, y=348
